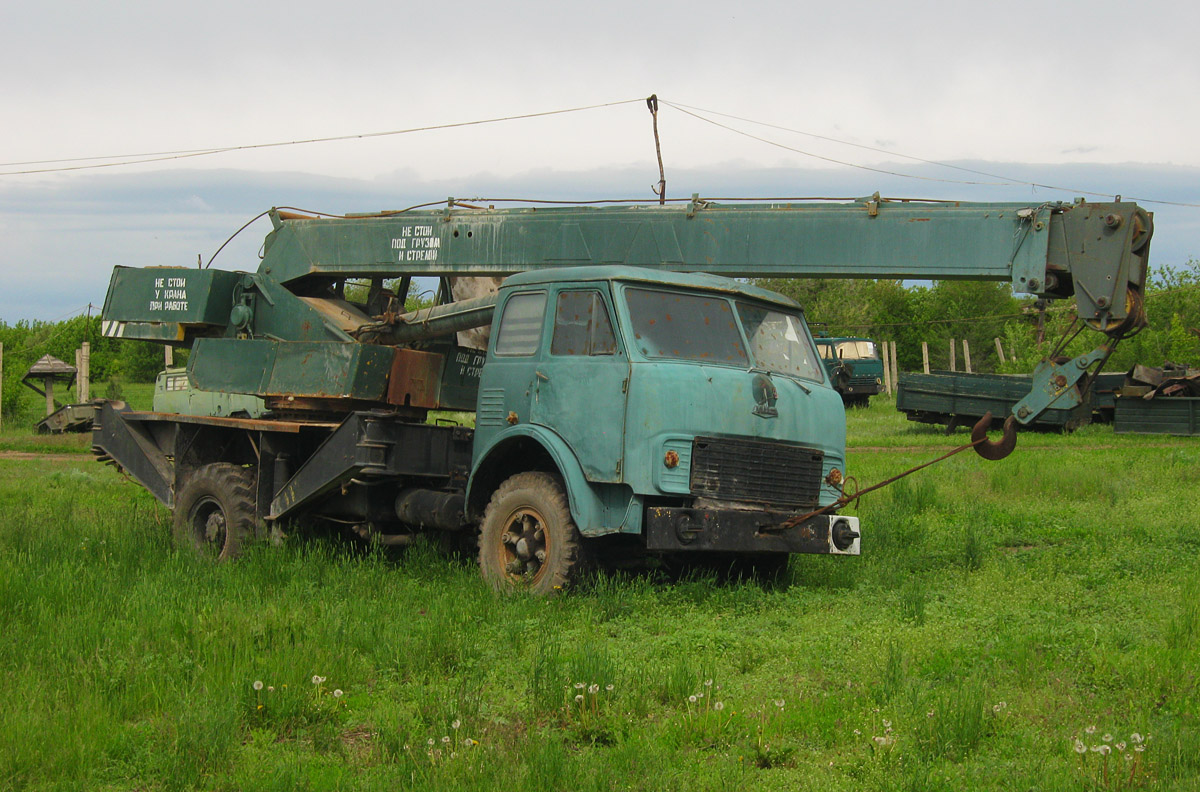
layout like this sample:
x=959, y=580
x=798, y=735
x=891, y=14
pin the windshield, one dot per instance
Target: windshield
x=856, y=350
x=685, y=327
x=779, y=342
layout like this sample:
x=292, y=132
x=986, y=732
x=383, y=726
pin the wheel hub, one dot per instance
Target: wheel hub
x=523, y=545
x=209, y=524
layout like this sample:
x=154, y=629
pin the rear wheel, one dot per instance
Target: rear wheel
x=528, y=540
x=214, y=510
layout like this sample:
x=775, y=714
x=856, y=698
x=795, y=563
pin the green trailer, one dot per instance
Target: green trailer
x=957, y=398
x=1172, y=415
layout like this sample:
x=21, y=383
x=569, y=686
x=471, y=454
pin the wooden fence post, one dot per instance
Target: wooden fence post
x=967, y=355
x=895, y=369
x=168, y=356
x=887, y=373
x=1000, y=350
x=85, y=371
x=1, y=386
x=925, y=356
x=952, y=368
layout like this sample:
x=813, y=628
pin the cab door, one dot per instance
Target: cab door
x=580, y=383
x=506, y=384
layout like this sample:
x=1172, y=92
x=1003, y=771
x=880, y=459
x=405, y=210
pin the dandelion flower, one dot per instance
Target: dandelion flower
x=708, y=683
x=455, y=724
x=779, y=703
x=472, y=742
x=718, y=705
x=1095, y=749
x=593, y=689
x=608, y=688
x=580, y=685
x=446, y=739
x=579, y=697
x=1080, y=747
x=1129, y=757
x=1107, y=738
x=1090, y=730
x=316, y=680
x=996, y=708
x=258, y=685
x=887, y=724
x=454, y=754
x=429, y=741
x=1139, y=748
x=337, y=693
x=929, y=714
x=857, y=733
x=1105, y=750
x=1135, y=738
x=270, y=688
x=1121, y=746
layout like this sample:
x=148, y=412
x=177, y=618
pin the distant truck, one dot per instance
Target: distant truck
x=853, y=365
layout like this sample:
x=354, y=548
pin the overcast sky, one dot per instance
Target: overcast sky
x=1096, y=96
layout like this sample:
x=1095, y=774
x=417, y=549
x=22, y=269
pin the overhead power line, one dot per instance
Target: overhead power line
x=117, y=160
x=701, y=114
x=1007, y=180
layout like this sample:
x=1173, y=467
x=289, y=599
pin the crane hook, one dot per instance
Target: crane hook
x=994, y=450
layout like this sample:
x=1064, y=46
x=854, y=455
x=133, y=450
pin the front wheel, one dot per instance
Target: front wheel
x=214, y=510
x=528, y=540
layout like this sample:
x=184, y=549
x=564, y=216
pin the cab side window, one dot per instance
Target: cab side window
x=521, y=325
x=582, y=326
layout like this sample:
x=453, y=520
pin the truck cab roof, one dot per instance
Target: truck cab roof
x=628, y=274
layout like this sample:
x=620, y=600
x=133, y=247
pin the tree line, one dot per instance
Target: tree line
x=980, y=311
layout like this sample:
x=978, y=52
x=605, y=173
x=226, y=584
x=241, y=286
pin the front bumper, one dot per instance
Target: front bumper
x=861, y=389
x=733, y=530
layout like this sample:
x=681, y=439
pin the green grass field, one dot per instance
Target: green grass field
x=1001, y=612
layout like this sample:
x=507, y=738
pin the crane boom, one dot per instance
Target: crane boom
x=1094, y=252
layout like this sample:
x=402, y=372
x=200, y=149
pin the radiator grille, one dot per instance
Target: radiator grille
x=758, y=471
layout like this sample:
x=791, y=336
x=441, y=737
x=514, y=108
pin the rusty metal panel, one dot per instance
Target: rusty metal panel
x=415, y=379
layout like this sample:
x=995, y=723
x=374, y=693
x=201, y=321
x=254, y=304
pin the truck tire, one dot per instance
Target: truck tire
x=214, y=511
x=528, y=539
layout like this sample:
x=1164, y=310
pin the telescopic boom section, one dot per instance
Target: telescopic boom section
x=1094, y=252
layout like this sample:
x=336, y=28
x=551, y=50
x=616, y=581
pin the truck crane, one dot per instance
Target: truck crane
x=630, y=387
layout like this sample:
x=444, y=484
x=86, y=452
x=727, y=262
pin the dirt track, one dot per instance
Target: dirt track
x=50, y=457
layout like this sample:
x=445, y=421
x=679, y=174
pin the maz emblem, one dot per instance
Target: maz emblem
x=765, y=396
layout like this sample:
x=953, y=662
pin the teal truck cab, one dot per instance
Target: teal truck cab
x=691, y=410
x=853, y=366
